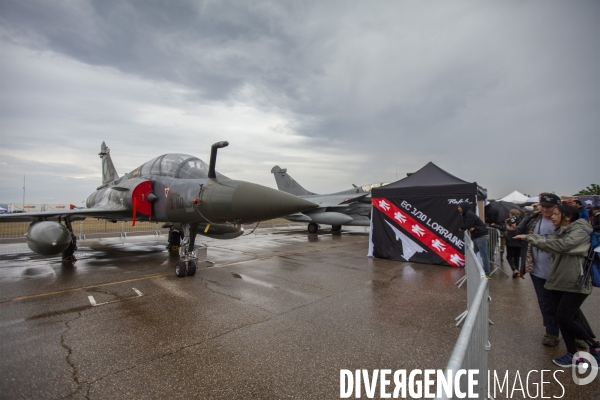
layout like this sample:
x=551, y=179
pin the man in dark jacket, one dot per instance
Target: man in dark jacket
x=479, y=234
x=596, y=220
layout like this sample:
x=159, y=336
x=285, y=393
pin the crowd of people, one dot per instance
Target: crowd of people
x=550, y=244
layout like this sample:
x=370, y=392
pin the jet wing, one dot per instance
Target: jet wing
x=331, y=200
x=74, y=215
x=355, y=198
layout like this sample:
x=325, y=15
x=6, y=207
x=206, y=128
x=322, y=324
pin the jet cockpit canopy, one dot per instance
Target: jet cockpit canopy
x=182, y=166
x=368, y=188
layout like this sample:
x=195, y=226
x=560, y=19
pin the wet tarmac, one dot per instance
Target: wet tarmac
x=277, y=314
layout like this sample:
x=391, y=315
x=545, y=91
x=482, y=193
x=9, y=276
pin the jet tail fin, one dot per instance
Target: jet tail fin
x=109, y=173
x=287, y=184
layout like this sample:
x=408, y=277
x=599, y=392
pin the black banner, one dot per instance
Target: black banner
x=421, y=229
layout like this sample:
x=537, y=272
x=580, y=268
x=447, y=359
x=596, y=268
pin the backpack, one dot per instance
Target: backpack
x=591, y=263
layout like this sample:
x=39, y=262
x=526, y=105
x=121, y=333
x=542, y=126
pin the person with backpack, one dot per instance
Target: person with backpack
x=569, y=246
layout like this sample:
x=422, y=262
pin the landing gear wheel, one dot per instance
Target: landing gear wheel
x=191, y=268
x=313, y=228
x=180, y=269
x=336, y=228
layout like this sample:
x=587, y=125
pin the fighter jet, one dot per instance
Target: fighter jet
x=178, y=189
x=349, y=207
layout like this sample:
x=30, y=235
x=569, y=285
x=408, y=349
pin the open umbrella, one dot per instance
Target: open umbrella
x=497, y=212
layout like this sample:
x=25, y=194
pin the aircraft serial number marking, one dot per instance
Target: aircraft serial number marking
x=177, y=203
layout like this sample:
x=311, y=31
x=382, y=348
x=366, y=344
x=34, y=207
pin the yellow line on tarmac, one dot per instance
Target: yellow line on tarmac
x=169, y=273
x=83, y=288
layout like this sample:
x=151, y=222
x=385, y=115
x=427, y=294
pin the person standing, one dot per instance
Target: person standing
x=583, y=213
x=479, y=234
x=513, y=247
x=537, y=261
x=596, y=218
x=569, y=245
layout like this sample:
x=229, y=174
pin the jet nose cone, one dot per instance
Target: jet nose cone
x=253, y=203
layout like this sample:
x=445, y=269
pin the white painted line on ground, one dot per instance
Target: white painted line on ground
x=94, y=304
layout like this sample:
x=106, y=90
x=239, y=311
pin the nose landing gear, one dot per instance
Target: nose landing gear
x=187, y=265
x=187, y=253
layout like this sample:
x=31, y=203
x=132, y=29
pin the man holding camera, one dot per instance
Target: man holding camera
x=537, y=262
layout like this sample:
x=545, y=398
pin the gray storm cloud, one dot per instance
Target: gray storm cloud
x=502, y=93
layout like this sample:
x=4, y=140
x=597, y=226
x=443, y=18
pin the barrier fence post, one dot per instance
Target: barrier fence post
x=495, y=250
x=472, y=345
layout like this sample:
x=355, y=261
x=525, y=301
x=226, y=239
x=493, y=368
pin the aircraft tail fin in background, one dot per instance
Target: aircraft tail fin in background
x=109, y=173
x=287, y=184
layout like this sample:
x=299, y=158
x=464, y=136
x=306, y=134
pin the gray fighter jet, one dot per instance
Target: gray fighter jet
x=178, y=189
x=349, y=207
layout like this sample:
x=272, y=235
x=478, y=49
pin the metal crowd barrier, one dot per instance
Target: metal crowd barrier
x=13, y=230
x=470, y=351
x=495, y=250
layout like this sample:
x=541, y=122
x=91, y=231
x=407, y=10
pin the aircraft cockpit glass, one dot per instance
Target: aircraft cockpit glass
x=193, y=168
x=181, y=166
x=145, y=169
x=170, y=164
x=368, y=188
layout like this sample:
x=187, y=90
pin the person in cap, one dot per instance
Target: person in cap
x=479, y=234
x=513, y=247
x=537, y=261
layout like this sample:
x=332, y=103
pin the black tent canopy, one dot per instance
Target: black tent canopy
x=416, y=219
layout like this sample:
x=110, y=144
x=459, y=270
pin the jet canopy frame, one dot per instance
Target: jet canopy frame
x=174, y=165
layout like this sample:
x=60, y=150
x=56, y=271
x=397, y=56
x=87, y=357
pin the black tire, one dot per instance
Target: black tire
x=180, y=269
x=68, y=253
x=191, y=268
x=336, y=228
x=313, y=228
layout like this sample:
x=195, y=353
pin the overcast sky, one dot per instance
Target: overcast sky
x=504, y=93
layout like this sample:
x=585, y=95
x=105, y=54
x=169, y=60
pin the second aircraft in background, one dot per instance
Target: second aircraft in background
x=349, y=207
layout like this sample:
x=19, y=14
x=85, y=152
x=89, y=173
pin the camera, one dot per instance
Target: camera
x=513, y=220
